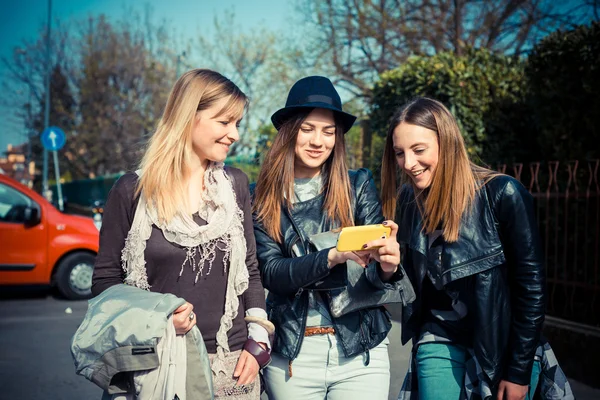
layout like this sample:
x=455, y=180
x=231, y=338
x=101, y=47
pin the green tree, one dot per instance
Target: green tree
x=474, y=87
x=266, y=134
x=563, y=71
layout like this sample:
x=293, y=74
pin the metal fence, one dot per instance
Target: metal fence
x=567, y=199
x=80, y=195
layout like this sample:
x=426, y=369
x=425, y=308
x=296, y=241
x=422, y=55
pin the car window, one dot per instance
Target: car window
x=13, y=204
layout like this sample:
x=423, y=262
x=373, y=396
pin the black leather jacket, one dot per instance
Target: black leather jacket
x=286, y=275
x=496, y=268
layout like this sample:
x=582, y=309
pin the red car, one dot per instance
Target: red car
x=41, y=245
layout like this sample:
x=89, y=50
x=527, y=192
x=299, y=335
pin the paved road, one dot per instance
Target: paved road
x=35, y=361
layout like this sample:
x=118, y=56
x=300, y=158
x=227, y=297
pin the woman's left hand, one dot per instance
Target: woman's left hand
x=247, y=367
x=511, y=391
x=386, y=251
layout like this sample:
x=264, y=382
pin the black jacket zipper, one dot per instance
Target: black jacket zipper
x=363, y=340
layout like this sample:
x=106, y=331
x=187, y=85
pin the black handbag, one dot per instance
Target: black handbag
x=359, y=293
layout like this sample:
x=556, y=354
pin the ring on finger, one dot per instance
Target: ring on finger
x=192, y=316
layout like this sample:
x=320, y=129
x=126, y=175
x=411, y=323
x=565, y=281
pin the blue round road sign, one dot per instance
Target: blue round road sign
x=53, y=138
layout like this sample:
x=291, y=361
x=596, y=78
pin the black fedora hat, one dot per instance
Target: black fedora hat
x=313, y=92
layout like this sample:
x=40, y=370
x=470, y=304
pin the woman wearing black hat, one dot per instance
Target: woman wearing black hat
x=304, y=188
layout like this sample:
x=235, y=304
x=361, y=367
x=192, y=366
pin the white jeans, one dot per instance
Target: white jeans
x=321, y=371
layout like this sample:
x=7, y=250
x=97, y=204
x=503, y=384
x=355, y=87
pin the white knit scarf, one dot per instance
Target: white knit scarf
x=223, y=231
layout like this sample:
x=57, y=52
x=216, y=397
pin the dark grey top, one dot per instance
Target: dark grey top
x=164, y=260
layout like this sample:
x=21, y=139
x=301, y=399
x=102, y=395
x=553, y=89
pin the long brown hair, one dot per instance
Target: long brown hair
x=455, y=180
x=169, y=152
x=275, y=183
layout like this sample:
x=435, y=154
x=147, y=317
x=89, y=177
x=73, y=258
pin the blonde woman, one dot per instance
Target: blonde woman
x=471, y=248
x=182, y=224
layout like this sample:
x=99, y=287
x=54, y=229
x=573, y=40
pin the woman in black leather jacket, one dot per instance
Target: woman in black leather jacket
x=471, y=247
x=304, y=188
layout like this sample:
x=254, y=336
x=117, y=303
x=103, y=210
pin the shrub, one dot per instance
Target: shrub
x=484, y=91
x=563, y=71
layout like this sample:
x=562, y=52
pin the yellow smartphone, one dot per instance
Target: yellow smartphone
x=353, y=238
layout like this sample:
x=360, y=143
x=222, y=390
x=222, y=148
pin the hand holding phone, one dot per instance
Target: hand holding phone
x=353, y=238
x=377, y=242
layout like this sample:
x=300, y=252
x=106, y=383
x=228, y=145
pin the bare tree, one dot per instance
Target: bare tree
x=24, y=78
x=109, y=86
x=122, y=88
x=364, y=38
x=262, y=62
x=241, y=56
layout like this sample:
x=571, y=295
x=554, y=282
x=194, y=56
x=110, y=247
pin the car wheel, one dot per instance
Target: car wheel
x=74, y=276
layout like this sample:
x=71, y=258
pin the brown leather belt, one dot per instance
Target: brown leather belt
x=319, y=330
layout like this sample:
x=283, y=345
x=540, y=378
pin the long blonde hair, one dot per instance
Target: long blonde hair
x=275, y=183
x=163, y=167
x=455, y=180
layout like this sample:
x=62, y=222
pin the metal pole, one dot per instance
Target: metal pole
x=29, y=137
x=58, y=186
x=47, y=104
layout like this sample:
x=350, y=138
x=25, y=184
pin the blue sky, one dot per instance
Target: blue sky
x=23, y=19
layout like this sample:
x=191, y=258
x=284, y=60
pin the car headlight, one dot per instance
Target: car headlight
x=98, y=220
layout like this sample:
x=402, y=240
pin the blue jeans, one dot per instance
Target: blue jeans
x=441, y=371
x=535, y=379
x=321, y=371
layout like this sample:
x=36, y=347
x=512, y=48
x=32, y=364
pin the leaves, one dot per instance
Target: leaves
x=564, y=80
x=472, y=86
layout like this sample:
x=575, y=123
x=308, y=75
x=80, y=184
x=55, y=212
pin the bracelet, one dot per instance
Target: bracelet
x=261, y=355
x=265, y=323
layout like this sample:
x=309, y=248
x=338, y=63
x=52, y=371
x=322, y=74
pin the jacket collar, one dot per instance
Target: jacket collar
x=410, y=231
